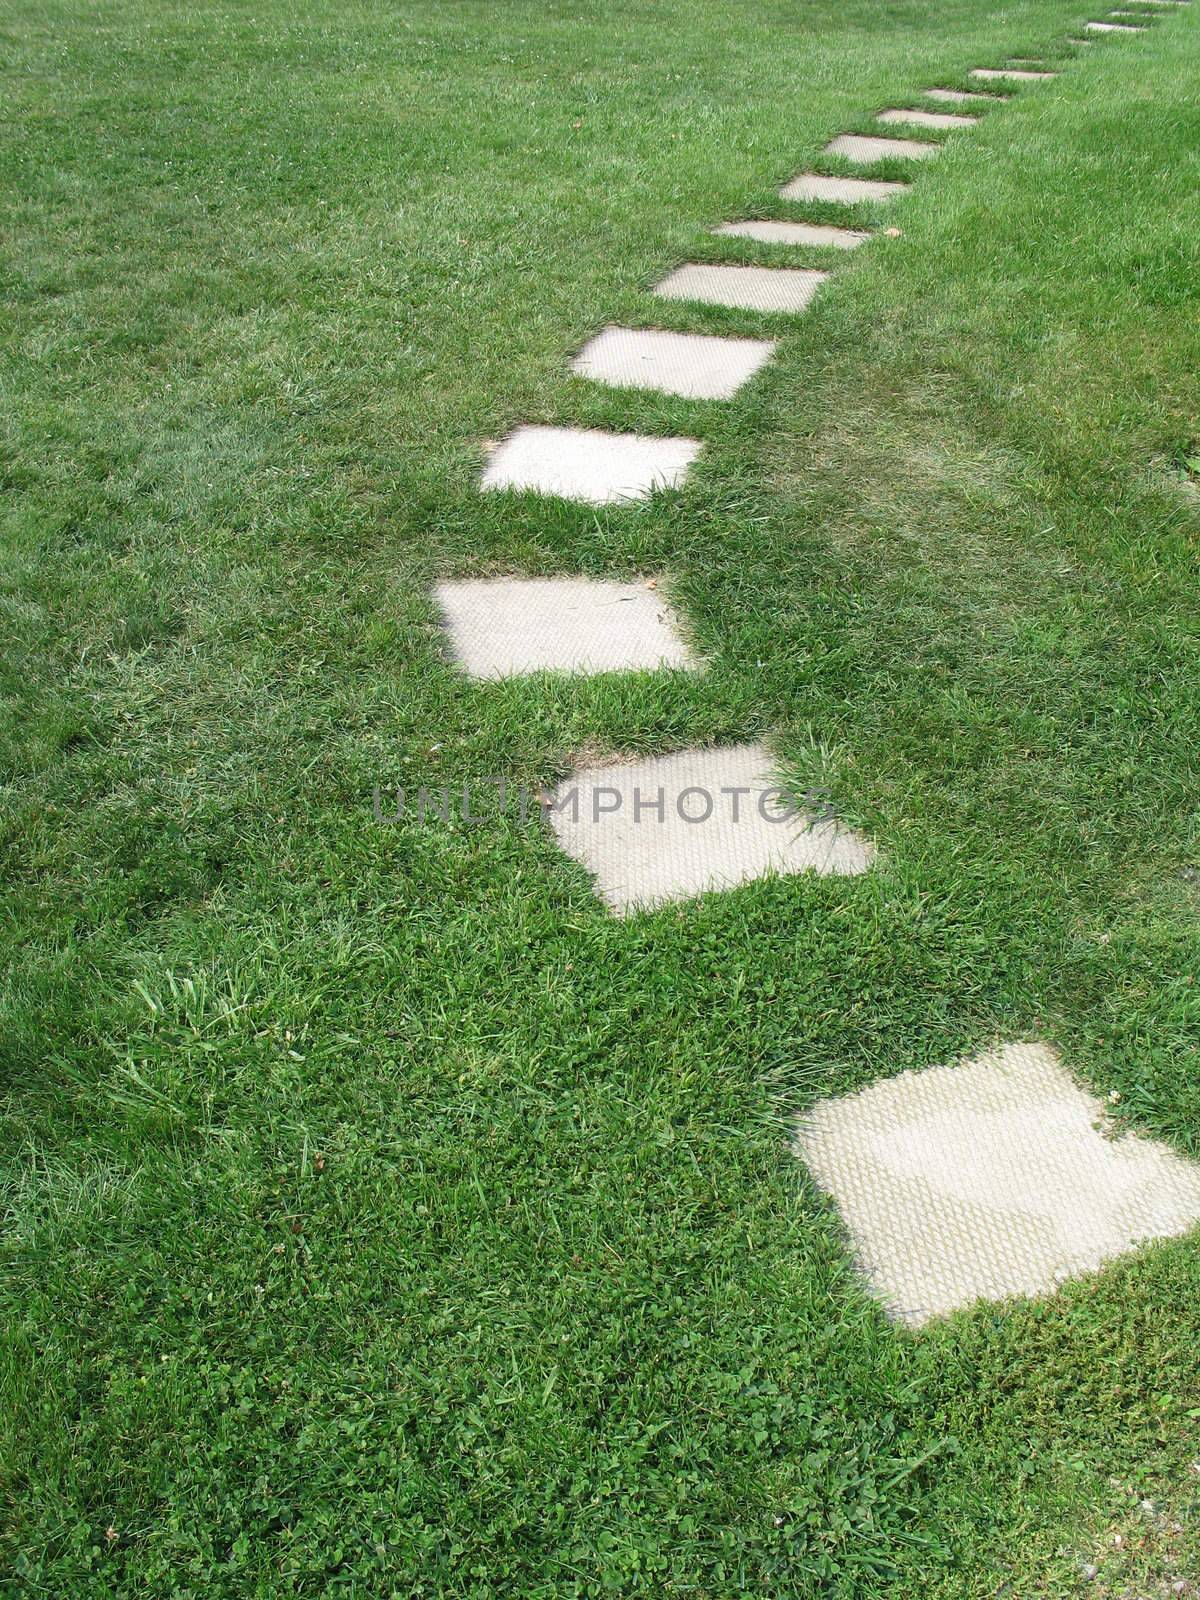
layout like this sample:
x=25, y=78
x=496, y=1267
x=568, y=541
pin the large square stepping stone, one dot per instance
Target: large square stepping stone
x=747, y=288
x=842, y=191
x=585, y=464
x=960, y=97
x=506, y=627
x=695, y=365
x=801, y=233
x=676, y=826
x=1111, y=27
x=992, y=74
x=927, y=119
x=990, y=1178
x=866, y=147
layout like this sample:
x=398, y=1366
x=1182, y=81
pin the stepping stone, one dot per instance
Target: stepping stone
x=749, y=288
x=795, y=233
x=987, y=1179
x=988, y=74
x=869, y=147
x=721, y=824
x=695, y=365
x=928, y=119
x=959, y=97
x=844, y=191
x=585, y=464
x=506, y=627
x=1111, y=27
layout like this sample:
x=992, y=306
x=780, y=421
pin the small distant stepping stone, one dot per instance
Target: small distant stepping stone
x=928, y=119
x=795, y=233
x=607, y=818
x=989, y=74
x=1111, y=27
x=867, y=147
x=507, y=627
x=959, y=97
x=585, y=464
x=988, y=1179
x=844, y=191
x=748, y=288
x=695, y=365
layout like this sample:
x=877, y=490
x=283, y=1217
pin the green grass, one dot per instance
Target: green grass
x=382, y=1218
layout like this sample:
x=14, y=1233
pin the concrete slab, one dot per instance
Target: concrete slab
x=927, y=119
x=798, y=233
x=1111, y=27
x=585, y=464
x=697, y=366
x=961, y=97
x=1017, y=74
x=508, y=627
x=866, y=147
x=748, y=288
x=673, y=827
x=842, y=191
x=987, y=1179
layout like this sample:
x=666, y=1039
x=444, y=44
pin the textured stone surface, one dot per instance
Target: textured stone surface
x=1111, y=27
x=866, y=147
x=927, y=119
x=505, y=627
x=607, y=818
x=694, y=365
x=800, y=233
x=987, y=1179
x=584, y=464
x=748, y=288
x=844, y=191
x=988, y=74
x=962, y=97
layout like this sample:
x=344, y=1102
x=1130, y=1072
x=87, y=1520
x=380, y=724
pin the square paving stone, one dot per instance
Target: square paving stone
x=748, y=288
x=990, y=1178
x=585, y=464
x=866, y=147
x=1111, y=27
x=506, y=627
x=804, y=233
x=695, y=365
x=927, y=119
x=676, y=826
x=960, y=97
x=844, y=191
x=989, y=74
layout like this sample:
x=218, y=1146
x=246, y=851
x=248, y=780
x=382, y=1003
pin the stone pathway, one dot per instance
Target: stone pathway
x=676, y=826
x=1017, y=74
x=506, y=627
x=928, y=119
x=795, y=233
x=989, y=1178
x=695, y=365
x=842, y=191
x=867, y=148
x=958, y=97
x=585, y=464
x=749, y=288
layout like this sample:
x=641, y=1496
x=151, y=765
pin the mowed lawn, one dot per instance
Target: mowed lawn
x=382, y=1216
